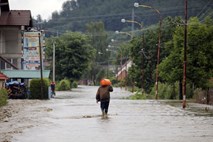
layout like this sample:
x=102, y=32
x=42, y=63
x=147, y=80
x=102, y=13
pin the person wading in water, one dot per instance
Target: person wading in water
x=103, y=95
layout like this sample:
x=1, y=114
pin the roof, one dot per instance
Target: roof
x=16, y=18
x=27, y=74
x=3, y=77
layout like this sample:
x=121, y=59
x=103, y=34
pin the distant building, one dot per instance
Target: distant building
x=123, y=72
x=12, y=23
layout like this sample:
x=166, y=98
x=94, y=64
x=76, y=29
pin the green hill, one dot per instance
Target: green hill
x=75, y=15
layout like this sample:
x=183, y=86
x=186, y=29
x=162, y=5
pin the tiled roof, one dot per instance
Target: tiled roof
x=16, y=18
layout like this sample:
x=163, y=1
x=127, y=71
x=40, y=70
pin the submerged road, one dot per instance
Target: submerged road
x=76, y=117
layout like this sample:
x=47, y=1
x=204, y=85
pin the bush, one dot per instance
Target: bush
x=63, y=85
x=113, y=80
x=138, y=96
x=35, y=89
x=75, y=84
x=3, y=97
x=166, y=91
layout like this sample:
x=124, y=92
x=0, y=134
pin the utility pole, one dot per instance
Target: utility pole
x=53, y=61
x=41, y=65
x=126, y=77
x=133, y=19
x=159, y=43
x=121, y=70
x=185, y=59
x=142, y=70
x=108, y=67
x=158, y=58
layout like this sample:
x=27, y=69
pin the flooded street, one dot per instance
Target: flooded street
x=76, y=117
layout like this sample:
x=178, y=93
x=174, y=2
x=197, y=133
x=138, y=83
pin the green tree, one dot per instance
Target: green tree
x=145, y=60
x=55, y=15
x=98, y=36
x=74, y=54
x=199, y=54
x=96, y=32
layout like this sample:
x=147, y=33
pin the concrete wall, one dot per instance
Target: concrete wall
x=11, y=45
x=2, y=42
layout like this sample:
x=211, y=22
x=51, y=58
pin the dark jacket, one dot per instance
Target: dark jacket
x=103, y=93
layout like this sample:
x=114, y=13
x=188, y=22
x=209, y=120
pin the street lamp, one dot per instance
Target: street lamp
x=100, y=53
x=53, y=61
x=108, y=50
x=142, y=70
x=147, y=58
x=159, y=43
x=185, y=59
x=41, y=65
x=131, y=21
x=136, y=4
x=121, y=55
x=110, y=46
x=126, y=33
x=131, y=36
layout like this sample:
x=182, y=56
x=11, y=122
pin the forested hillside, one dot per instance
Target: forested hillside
x=76, y=14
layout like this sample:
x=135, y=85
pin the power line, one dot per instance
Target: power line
x=204, y=7
x=207, y=12
x=146, y=13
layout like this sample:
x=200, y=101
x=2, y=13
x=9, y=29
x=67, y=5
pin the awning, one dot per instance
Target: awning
x=27, y=74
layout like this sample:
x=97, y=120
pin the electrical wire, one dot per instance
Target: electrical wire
x=204, y=7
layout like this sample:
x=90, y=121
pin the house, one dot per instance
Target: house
x=123, y=72
x=3, y=79
x=12, y=25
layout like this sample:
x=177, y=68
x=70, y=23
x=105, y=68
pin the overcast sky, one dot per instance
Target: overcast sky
x=42, y=7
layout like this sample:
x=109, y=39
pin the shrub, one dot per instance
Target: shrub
x=113, y=80
x=121, y=83
x=35, y=89
x=63, y=85
x=138, y=96
x=200, y=95
x=75, y=84
x=3, y=97
x=166, y=91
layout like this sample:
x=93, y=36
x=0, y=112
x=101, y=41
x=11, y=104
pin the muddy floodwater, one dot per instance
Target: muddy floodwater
x=76, y=117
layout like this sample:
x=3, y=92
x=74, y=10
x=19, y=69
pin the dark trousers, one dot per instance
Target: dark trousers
x=105, y=106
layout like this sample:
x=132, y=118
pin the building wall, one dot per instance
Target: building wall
x=122, y=75
x=2, y=42
x=123, y=72
x=11, y=46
